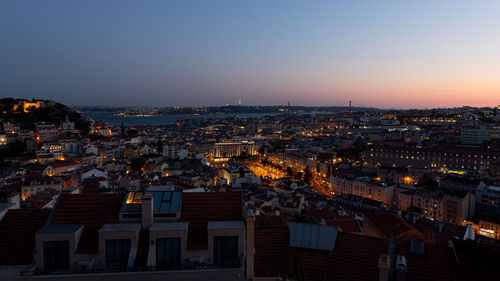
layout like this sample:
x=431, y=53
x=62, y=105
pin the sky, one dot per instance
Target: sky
x=386, y=54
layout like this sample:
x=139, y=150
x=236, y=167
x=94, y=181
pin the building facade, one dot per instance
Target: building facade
x=435, y=158
x=364, y=187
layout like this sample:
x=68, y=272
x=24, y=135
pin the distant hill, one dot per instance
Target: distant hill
x=230, y=109
x=27, y=112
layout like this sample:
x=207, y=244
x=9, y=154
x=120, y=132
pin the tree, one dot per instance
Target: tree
x=159, y=147
x=352, y=153
x=3, y=163
x=137, y=163
x=307, y=175
x=15, y=149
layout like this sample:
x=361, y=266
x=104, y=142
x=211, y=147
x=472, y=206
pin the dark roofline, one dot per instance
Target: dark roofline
x=242, y=204
x=52, y=212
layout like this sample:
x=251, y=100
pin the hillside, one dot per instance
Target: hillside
x=27, y=113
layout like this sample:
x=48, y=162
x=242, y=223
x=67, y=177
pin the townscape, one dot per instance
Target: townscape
x=281, y=140
x=352, y=194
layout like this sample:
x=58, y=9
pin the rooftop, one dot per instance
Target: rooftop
x=388, y=224
x=224, y=224
x=92, y=210
x=17, y=235
x=198, y=208
x=111, y=227
x=312, y=236
x=60, y=228
x=169, y=226
x=354, y=257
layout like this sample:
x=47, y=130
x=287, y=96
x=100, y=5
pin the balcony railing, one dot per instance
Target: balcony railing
x=195, y=267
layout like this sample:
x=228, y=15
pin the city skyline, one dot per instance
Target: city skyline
x=327, y=140
x=178, y=53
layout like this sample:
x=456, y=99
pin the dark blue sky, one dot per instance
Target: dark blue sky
x=378, y=53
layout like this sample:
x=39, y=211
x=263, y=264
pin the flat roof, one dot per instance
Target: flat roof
x=111, y=227
x=224, y=224
x=6, y=206
x=169, y=226
x=60, y=228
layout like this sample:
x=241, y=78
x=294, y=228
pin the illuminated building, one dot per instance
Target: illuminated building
x=35, y=183
x=486, y=228
x=46, y=132
x=298, y=161
x=3, y=139
x=445, y=158
x=60, y=168
x=400, y=175
x=476, y=136
x=67, y=125
x=224, y=150
x=112, y=152
x=451, y=206
x=364, y=187
x=235, y=172
x=27, y=106
x=488, y=199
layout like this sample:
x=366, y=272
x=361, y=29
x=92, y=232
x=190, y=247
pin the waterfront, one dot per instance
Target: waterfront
x=115, y=120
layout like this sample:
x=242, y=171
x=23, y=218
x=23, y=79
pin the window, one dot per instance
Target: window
x=134, y=198
x=226, y=250
x=168, y=252
x=56, y=255
x=117, y=252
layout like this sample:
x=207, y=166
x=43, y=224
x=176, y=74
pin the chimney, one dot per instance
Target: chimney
x=383, y=266
x=147, y=211
x=401, y=268
x=14, y=198
x=469, y=233
x=250, y=239
x=429, y=234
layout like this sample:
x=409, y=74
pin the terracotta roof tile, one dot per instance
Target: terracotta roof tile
x=198, y=208
x=388, y=225
x=346, y=225
x=272, y=254
x=17, y=235
x=477, y=261
x=354, y=257
x=437, y=263
x=92, y=210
